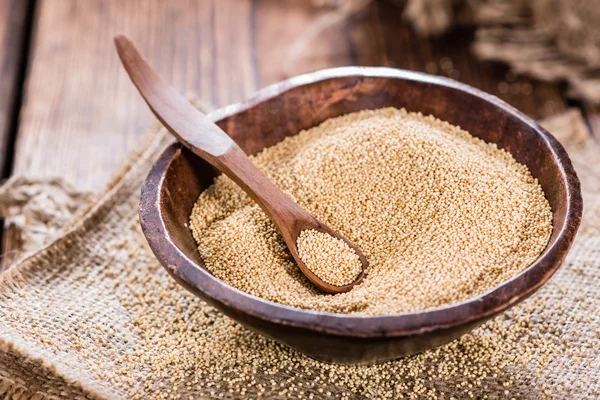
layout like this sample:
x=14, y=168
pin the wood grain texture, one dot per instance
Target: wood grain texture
x=380, y=36
x=81, y=115
x=12, y=32
x=178, y=177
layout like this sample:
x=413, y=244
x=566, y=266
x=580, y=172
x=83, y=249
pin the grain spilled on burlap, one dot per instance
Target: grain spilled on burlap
x=94, y=315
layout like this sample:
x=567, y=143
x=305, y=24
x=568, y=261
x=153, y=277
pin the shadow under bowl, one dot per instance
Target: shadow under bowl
x=178, y=177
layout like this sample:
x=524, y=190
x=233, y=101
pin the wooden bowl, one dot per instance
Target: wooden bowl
x=283, y=109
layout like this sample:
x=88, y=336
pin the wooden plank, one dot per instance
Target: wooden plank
x=380, y=36
x=81, y=114
x=13, y=31
x=13, y=15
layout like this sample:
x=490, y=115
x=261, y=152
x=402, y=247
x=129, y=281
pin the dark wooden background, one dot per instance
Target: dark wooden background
x=68, y=109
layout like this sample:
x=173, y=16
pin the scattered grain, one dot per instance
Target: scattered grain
x=170, y=344
x=503, y=87
x=453, y=73
x=446, y=64
x=431, y=68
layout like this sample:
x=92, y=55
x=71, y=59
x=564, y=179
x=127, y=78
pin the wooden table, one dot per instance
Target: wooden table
x=68, y=109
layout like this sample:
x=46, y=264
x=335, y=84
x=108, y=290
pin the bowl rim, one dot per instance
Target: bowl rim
x=479, y=308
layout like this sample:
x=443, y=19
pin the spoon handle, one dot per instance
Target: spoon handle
x=181, y=118
x=205, y=139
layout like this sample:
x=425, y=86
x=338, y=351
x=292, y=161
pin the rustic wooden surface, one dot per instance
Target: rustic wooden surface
x=12, y=30
x=80, y=114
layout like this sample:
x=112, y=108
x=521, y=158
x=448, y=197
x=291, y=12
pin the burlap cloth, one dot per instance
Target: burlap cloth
x=551, y=40
x=73, y=314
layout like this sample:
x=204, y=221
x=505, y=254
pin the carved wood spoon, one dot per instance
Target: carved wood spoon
x=205, y=139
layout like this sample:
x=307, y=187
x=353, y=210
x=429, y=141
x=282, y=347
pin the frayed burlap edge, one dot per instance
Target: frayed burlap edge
x=535, y=38
x=36, y=211
x=30, y=376
x=531, y=46
x=39, y=377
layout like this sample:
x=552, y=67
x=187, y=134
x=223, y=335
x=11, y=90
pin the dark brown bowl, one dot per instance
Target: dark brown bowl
x=284, y=109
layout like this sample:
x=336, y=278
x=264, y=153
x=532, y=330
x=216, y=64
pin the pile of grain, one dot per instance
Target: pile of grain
x=440, y=215
x=96, y=307
x=331, y=259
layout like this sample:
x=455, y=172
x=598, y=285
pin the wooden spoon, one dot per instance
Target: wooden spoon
x=205, y=139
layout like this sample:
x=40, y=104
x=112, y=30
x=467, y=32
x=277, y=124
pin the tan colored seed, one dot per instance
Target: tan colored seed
x=440, y=215
x=156, y=340
x=331, y=259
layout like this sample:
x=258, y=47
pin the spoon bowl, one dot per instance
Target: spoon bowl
x=208, y=141
x=313, y=223
x=178, y=177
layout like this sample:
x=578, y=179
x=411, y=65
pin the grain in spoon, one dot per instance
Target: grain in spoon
x=205, y=139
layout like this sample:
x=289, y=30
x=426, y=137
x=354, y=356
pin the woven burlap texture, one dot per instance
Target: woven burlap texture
x=73, y=317
x=39, y=209
x=552, y=40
